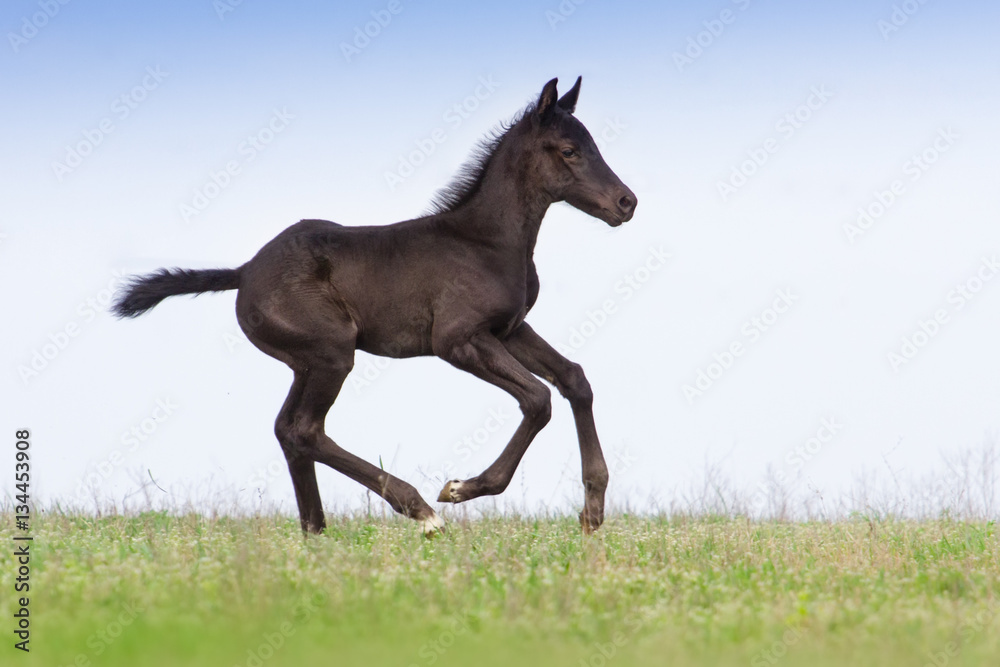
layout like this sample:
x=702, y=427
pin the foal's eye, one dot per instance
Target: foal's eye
x=568, y=152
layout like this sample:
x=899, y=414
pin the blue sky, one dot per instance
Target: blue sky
x=164, y=97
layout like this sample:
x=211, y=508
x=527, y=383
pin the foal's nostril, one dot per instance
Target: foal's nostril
x=626, y=203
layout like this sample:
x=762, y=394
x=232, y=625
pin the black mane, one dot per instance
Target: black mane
x=465, y=183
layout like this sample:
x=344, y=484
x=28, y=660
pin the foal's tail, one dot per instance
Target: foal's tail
x=143, y=292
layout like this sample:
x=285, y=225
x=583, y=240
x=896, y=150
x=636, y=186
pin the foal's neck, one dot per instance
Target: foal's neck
x=509, y=205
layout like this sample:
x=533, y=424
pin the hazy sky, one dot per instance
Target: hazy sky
x=814, y=254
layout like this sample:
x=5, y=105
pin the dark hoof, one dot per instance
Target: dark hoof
x=589, y=522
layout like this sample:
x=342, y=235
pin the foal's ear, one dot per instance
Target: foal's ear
x=546, y=106
x=568, y=101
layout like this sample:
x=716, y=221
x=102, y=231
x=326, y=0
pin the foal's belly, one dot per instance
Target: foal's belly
x=397, y=336
x=411, y=335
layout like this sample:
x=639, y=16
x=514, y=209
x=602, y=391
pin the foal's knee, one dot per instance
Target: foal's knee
x=537, y=405
x=576, y=387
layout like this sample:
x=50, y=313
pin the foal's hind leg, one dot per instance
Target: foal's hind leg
x=317, y=342
x=301, y=467
x=301, y=432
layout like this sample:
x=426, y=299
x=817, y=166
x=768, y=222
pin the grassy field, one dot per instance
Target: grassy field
x=155, y=589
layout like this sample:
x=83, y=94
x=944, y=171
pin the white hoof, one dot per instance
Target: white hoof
x=432, y=525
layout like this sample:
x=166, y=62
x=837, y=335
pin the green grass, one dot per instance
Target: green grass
x=189, y=590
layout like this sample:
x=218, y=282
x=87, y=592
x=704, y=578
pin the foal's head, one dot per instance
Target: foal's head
x=568, y=164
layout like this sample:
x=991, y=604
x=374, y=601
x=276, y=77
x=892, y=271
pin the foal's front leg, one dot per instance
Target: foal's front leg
x=486, y=357
x=543, y=360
